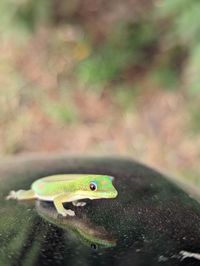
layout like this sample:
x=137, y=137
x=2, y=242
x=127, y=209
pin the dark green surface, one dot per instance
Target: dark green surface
x=149, y=223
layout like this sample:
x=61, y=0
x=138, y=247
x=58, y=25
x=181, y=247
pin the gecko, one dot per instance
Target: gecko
x=68, y=188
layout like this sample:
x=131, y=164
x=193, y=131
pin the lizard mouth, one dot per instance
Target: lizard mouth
x=106, y=195
x=113, y=194
x=98, y=195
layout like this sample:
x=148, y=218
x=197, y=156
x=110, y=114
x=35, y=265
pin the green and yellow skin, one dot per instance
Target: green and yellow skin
x=68, y=188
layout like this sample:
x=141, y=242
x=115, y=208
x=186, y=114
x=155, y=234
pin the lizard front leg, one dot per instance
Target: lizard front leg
x=58, y=202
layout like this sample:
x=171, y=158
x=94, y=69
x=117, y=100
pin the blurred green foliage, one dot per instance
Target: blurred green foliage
x=127, y=45
x=182, y=28
x=23, y=17
x=64, y=113
x=195, y=117
x=166, y=40
x=126, y=96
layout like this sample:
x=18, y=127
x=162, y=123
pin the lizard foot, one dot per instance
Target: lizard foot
x=13, y=194
x=67, y=213
x=79, y=203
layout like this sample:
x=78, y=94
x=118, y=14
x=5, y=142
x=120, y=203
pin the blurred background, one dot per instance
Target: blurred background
x=102, y=77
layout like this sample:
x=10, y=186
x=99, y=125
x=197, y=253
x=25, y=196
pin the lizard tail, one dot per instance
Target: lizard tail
x=21, y=195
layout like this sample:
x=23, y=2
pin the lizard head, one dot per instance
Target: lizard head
x=99, y=186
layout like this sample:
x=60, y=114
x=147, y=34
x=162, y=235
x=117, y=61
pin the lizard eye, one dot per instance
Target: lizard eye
x=93, y=186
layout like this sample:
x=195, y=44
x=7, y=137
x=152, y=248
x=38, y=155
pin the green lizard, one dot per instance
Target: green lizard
x=68, y=188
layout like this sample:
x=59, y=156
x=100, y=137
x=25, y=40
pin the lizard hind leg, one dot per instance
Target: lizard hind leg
x=22, y=195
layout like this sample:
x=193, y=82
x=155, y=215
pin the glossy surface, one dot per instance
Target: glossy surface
x=151, y=222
